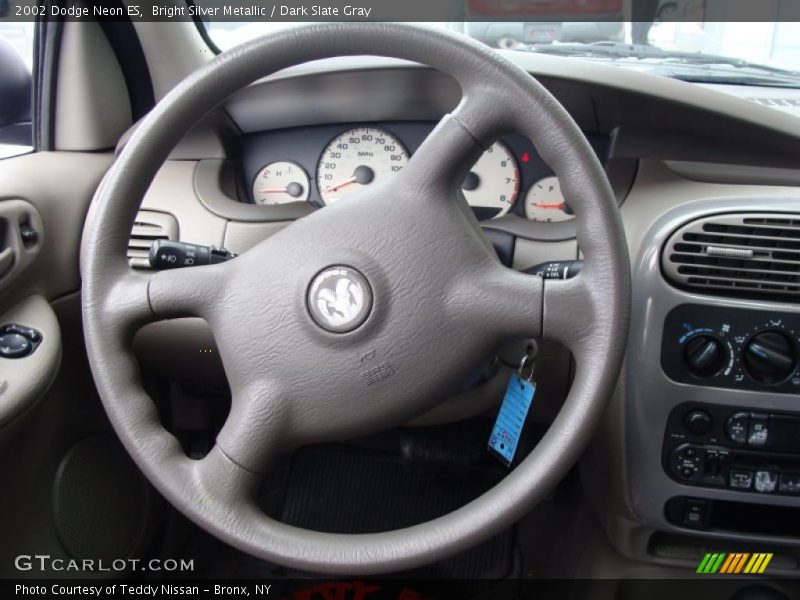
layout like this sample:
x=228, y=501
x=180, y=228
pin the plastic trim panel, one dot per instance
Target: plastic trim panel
x=651, y=395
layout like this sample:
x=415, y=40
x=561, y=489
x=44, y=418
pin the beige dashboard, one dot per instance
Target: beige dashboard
x=671, y=145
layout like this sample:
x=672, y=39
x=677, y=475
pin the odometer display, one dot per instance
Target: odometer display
x=356, y=158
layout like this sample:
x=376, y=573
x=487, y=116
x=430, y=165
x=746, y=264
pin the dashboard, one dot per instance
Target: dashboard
x=325, y=164
x=690, y=165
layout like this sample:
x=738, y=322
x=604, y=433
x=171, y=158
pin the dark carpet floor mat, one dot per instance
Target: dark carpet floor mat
x=344, y=490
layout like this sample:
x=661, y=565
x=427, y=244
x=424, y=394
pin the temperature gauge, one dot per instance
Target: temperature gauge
x=545, y=203
x=281, y=182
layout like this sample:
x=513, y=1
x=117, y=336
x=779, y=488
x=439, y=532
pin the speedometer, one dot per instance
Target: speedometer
x=356, y=158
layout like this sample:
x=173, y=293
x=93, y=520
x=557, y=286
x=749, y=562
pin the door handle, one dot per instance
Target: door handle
x=6, y=261
x=21, y=234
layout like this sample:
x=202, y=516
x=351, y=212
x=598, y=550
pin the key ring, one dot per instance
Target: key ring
x=529, y=356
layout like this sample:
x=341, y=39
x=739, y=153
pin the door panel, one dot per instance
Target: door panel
x=43, y=203
x=33, y=324
x=53, y=431
x=58, y=186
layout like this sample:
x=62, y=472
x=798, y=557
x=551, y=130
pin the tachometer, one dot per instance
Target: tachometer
x=492, y=185
x=356, y=158
x=281, y=182
x=545, y=202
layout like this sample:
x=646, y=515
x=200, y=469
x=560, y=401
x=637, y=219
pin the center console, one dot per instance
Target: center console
x=743, y=448
x=713, y=374
x=738, y=448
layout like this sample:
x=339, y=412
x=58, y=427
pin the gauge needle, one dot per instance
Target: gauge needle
x=559, y=206
x=363, y=175
x=294, y=189
x=341, y=184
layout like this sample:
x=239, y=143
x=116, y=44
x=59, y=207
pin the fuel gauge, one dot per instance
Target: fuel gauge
x=281, y=182
x=545, y=203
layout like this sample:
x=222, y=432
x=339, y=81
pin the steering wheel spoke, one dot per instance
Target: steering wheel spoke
x=577, y=314
x=505, y=301
x=188, y=292
x=224, y=480
x=126, y=303
x=255, y=433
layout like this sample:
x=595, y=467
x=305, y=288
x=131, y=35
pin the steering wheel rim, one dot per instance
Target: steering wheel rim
x=217, y=492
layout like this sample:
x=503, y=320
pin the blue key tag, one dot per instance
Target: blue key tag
x=511, y=418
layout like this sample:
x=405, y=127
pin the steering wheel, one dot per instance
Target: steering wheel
x=379, y=307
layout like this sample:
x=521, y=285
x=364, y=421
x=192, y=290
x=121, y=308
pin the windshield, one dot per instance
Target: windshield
x=764, y=53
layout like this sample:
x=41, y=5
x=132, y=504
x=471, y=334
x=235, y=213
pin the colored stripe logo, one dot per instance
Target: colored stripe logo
x=734, y=563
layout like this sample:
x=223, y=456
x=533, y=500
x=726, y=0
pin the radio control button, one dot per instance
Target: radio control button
x=737, y=426
x=758, y=430
x=698, y=422
x=741, y=479
x=789, y=484
x=766, y=482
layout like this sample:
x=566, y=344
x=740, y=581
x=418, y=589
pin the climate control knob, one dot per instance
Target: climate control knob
x=705, y=355
x=769, y=357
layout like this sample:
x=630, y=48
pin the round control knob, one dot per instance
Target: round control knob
x=698, y=422
x=769, y=357
x=705, y=355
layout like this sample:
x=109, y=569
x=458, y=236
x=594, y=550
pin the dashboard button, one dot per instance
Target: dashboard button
x=737, y=426
x=714, y=468
x=694, y=514
x=789, y=484
x=758, y=430
x=698, y=422
x=13, y=345
x=766, y=482
x=741, y=479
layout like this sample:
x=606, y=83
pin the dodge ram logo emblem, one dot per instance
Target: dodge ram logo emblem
x=339, y=299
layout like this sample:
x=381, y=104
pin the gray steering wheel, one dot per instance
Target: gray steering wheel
x=430, y=304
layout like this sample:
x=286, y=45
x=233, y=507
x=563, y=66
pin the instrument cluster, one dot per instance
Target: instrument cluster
x=326, y=164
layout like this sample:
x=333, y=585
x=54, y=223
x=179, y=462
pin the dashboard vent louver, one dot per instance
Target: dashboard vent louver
x=777, y=101
x=149, y=226
x=747, y=254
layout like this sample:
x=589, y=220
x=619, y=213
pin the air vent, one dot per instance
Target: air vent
x=777, y=101
x=149, y=227
x=747, y=254
x=788, y=103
